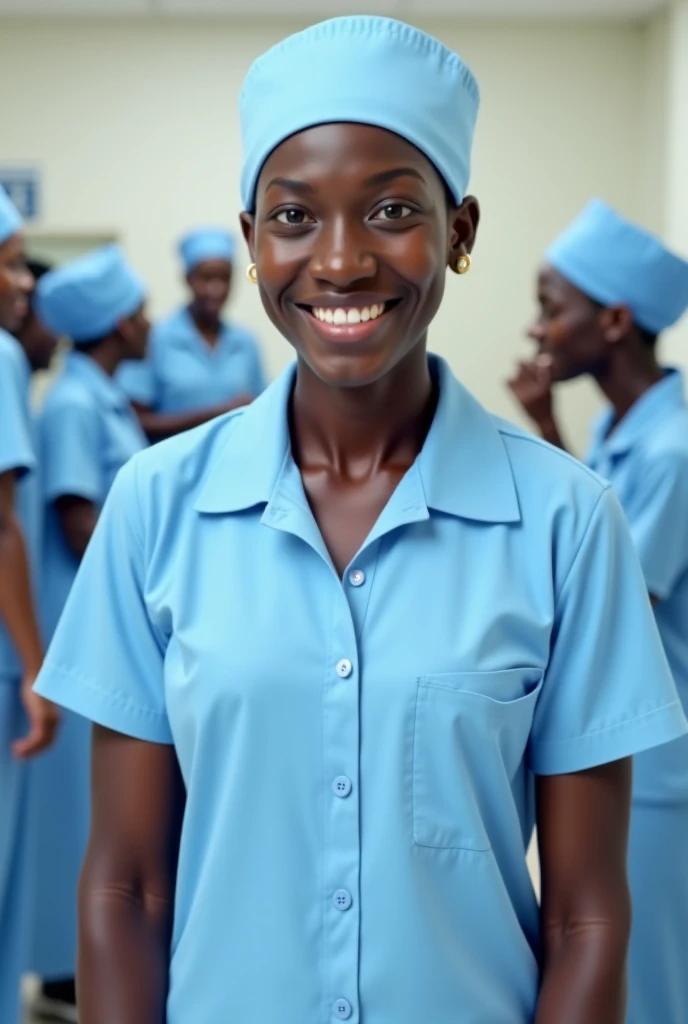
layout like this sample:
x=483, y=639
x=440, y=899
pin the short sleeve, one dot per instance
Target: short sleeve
x=657, y=513
x=106, y=658
x=16, y=445
x=137, y=380
x=70, y=445
x=608, y=692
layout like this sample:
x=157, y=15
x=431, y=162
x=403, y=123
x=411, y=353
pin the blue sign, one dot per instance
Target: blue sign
x=23, y=186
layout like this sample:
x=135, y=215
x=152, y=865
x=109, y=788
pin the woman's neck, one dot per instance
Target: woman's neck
x=628, y=376
x=355, y=431
x=209, y=327
x=108, y=355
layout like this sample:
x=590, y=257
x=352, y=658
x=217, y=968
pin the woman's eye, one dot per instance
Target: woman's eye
x=293, y=217
x=393, y=211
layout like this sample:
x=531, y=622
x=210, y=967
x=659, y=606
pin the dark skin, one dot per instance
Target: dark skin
x=351, y=216
x=576, y=337
x=39, y=343
x=78, y=517
x=17, y=609
x=210, y=283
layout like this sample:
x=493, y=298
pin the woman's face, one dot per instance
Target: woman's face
x=569, y=328
x=210, y=282
x=352, y=236
x=16, y=283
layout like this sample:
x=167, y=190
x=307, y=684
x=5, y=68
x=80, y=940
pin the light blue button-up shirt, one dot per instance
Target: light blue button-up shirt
x=501, y=624
x=87, y=431
x=646, y=460
x=18, y=453
x=183, y=373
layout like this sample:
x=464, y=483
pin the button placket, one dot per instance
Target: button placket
x=341, y=749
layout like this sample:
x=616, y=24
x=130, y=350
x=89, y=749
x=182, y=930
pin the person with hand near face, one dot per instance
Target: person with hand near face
x=339, y=628
x=199, y=365
x=606, y=292
x=21, y=645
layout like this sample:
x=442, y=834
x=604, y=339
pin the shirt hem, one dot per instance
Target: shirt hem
x=106, y=709
x=654, y=729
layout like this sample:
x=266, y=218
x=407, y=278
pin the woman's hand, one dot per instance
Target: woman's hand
x=531, y=385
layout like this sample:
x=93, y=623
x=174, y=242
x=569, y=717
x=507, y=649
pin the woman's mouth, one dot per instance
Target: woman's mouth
x=349, y=323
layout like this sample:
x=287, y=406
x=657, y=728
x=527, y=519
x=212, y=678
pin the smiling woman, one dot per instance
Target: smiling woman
x=346, y=635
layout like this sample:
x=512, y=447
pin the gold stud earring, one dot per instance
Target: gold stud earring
x=252, y=273
x=463, y=264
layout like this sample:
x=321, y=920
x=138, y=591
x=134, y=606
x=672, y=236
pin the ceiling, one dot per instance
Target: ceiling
x=614, y=9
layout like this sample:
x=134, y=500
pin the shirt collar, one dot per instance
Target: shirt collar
x=663, y=397
x=104, y=386
x=464, y=466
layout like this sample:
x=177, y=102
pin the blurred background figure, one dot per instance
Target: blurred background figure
x=87, y=431
x=21, y=649
x=199, y=365
x=606, y=292
x=39, y=343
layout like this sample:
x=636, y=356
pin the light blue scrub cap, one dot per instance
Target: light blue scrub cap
x=10, y=220
x=206, y=244
x=85, y=298
x=614, y=261
x=365, y=70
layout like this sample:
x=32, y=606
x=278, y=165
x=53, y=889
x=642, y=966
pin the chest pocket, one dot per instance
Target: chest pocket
x=470, y=736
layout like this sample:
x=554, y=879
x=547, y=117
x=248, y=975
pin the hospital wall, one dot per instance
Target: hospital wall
x=134, y=126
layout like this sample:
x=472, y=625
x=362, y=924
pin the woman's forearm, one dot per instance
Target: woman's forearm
x=584, y=972
x=17, y=609
x=124, y=943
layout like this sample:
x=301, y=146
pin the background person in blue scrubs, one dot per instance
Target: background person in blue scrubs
x=337, y=629
x=39, y=343
x=87, y=431
x=199, y=365
x=607, y=291
x=21, y=649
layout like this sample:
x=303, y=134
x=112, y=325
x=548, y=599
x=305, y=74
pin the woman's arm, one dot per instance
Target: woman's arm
x=126, y=895
x=159, y=425
x=78, y=518
x=18, y=614
x=582, y=822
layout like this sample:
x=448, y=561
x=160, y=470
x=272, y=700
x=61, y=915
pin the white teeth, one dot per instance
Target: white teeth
x=350, y=314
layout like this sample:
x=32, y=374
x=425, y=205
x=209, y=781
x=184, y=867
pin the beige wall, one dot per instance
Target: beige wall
x=675, y=168
x=135, y=127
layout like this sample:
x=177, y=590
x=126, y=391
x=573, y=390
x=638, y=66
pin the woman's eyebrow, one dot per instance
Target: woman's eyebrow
x=384, y=177
x=289, y=183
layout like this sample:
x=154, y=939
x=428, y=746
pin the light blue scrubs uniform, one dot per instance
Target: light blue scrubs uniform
x=17, y=452
x=87, y=432
x=183, y=373
x=357, y=750
x=646, y=460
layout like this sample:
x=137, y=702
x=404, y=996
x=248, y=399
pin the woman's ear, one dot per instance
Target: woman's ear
x=463, y=226
x=616, y=323
x=248, y=221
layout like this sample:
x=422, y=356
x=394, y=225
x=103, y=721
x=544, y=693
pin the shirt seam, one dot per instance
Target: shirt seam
x=109, y=697
x=605, y=490
x=602, y=731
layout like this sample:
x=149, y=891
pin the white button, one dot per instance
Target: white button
x=357, y=577
x=342, y=786
x=344, y=668
x=343, y=1009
